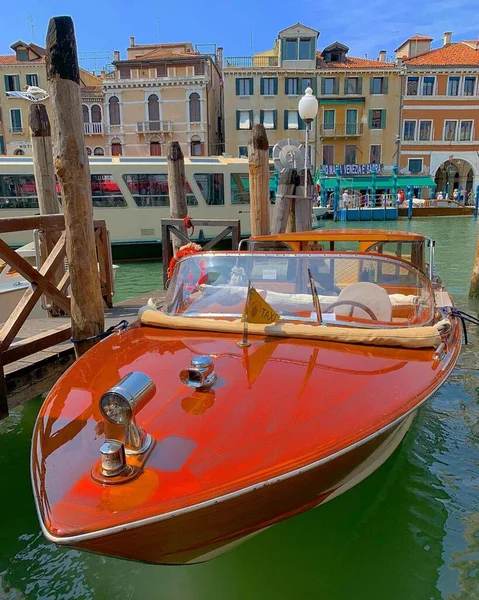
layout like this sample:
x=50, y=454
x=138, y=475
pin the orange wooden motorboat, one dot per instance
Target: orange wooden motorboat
x=171, y=441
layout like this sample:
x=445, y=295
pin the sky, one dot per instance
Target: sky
x=240, y=27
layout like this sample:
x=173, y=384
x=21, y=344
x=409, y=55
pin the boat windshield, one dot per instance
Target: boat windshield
x=356, y=289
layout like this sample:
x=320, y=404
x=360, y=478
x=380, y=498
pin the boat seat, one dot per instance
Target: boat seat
x=369, y=295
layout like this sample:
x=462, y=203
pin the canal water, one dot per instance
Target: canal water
x=408, y=532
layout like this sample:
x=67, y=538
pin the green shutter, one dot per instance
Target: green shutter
x=17, y=83
x=360, y=85
x=275, y=86
x=371, y=85
x=301, y=123
x=283, y=49
x=275, y=119
x=336, y=85
x=2, y=147
x=286, y=119
x=261, y=86
x=237, y=119
x=323, y=85
x=370, y=119
x=313, y=48
x=251, y=117
x=314, y=86
x=251, y=85
x=346, y=86
x=383, y=119
x=286, y=86
x=237, y=86
x=385, y=85
x=5, y=79
x=261, y=116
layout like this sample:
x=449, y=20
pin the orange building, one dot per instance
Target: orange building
x=440, y=116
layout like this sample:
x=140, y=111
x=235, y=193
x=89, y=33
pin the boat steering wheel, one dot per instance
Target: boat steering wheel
x=354, y=304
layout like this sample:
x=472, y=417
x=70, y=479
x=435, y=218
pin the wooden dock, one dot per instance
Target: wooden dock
x=35, y=374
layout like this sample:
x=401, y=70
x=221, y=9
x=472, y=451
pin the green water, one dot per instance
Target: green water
x=409, y=532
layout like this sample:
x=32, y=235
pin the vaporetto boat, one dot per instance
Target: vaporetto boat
x=131, y=195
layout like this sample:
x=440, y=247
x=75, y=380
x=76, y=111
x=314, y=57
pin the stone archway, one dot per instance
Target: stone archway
x=455, y=174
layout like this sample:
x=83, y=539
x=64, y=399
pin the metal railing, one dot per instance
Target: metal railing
x=93, y=128
x=153, y=126
x=341, y=129
x=245, y=62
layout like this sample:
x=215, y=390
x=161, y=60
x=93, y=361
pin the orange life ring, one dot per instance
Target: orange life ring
x=186, y=250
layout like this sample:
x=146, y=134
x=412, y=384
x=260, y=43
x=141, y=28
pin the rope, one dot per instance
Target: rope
x=99, y=336
x=464, y=316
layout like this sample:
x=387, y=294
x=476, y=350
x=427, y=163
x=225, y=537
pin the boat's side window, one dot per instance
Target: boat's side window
x=410, y=251
x=18, y=191
x=239, y=183
x=106, y=193
x=212, y=187
x=152, y=190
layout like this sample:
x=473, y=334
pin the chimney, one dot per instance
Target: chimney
x=116, y=55
x=447, y=39
x=132, y=42
x=219, y=58
x=102, y=74
x=382, y=56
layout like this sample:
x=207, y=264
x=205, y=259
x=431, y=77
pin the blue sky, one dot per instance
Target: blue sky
x=241, y=25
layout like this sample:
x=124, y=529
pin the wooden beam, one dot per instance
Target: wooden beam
x=212, y=243
x=73, y=172
x=50, y=222
x=19, y=315
x=36, y=343
x=258, y=159
x=176, y=189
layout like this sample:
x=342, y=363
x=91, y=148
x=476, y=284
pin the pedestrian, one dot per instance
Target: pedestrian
x=346, y=200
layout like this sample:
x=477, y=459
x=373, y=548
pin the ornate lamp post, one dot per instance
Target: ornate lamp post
x=308, y=109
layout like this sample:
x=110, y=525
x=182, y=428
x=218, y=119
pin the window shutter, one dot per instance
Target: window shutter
x=237, y=86
x=275, y=86
x=5, y=79
x=286, y=85
x=2, y=151
x=261, y=116
x=371, y=85
x=286, y=119
x=251, y=85
x=17, y=83
x=283, y=49
x=261, y=86
x=301, y=123
x=323, y=85
x=313, y=48
x=237, y=119
x=346, y=79
x=314, y=85
x=383, y=119
x=336, y=85
x=370, y=119
x=275, y=119
x=298, y=86
x=360, y=85
x=385, y=85
x=251, y=117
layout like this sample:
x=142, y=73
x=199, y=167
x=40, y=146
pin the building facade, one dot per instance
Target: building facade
x=359, y=100
x=440, y=114
x=164, y=92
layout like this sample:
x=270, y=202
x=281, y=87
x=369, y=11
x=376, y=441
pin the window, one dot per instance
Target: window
x=95, y=111
x=328, y=155
x=152, y=190
x=292, y=86
x=195, y=108
x=269, y=86
x=268, y=119
x=428, y=86
x=450, y=130
x=31, y=79
x=290, y=49
x=375, y=154
x=199, y=68
x=106, y=193
x=154, y=112
x=469, y=85
x=18, y=191
x=114, y=110
x=329, y=85
x=125, y=73
x=116, y=149
x=412, y=86
x=351, y=121
x=239, y=184
x=196, y=146
x=352, y=86
x=453, y=86
x=409, y=131
x=379, y=85
x=350, y=155
x=425, y=131
x=211, y=187
x=16, y=125
x=328, y=119
x=22, y=55
x=244, y=119
x=270, y=152
x=12, y=83
x=415, y=165
x=304, y=49
x=306, y=82
x=161, y=70
x=242, y=151
x=155, y=149
x=244, y=86
x=291, y=119
x=98, y=151
x=465, y=133
x=377, y=119
x=86, y=113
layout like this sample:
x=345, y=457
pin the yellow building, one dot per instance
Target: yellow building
x=164, y=92
x=359, y=101
x=26, y=67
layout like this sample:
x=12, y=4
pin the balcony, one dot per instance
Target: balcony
x=93, y=128
x=246, y=62
x=16, y=130
x=341, y=130
x=153, y=127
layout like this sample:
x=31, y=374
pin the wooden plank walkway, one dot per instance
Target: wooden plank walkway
x=36, y=374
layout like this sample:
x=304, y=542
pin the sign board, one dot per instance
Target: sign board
x=330, y=170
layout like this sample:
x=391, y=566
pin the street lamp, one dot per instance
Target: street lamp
x=308, y=109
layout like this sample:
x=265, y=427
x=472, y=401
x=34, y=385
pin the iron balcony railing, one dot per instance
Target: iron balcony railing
x=245, y=62
x=341, y=129
x=152, y=126
x=93, y=128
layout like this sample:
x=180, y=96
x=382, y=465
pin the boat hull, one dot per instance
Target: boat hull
x=201, y=533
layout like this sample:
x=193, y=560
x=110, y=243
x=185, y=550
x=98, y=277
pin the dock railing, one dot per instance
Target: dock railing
x=50, y=279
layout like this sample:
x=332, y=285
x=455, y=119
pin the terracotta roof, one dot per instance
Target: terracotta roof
x=91, y=88
x=419, y=38
x=11, y=59
x=162, y=53
x=453, y=54
x=352, y=62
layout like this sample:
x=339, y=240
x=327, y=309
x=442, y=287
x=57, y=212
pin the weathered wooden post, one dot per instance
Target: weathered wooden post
x=258, y=160
x=303, y=207
x=288, y=180
x=474, y=287
x=73, y=172
x=176, y=188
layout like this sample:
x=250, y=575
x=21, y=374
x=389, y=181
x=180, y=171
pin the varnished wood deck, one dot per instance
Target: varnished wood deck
x=36, y=374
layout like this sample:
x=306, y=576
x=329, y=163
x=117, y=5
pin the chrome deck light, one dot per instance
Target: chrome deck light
x=201, y=374
x=120, y=404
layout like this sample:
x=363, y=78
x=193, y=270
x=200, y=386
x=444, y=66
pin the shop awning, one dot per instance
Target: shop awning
x=418, y=181
x=359, y=183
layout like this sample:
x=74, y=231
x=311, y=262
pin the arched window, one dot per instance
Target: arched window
x=116, y=149
x=96, y=113
x=114, y=108
x=86, y=113
x=98, y=151
x=154, y=112
x=195, y=108
x=196, y=146
x=88, y=151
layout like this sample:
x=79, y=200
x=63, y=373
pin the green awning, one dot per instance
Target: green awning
x=358, y=183
x=416, y=181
